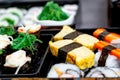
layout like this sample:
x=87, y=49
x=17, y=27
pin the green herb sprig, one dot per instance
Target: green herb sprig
x=52, y=11
x=7, y=30
x=25, y=40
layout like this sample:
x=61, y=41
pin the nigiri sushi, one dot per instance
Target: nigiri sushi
x=30, y=28
x=107, y=55
x=110, y=37
x=72, y=52
x=79, y=37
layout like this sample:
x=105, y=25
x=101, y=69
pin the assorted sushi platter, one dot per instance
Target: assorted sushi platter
x=83, y=53
x=29, y=49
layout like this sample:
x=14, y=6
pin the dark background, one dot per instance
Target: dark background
x=93, y=14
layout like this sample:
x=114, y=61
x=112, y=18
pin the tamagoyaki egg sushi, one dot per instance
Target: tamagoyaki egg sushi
x=72, y=52
x=82, y=38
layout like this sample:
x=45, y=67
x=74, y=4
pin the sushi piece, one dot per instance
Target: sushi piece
x=2, y=11
x=109, y=61
x=65, y=70
x=4, y=24
x=81, y=38
x=107, y=48
x=15, y=11
x=17, y=60
x=30, y=28
x=72, y=52
x=10, y=18
x=102, y=72
x=110, y=37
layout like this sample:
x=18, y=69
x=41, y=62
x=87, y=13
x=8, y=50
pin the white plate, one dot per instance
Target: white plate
x=68, y=21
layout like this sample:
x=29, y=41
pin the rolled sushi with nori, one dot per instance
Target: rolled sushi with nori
x=4, y=24
x=65, y=70
x=10, y=18
x=82, y=38
x=15, y=11
x=102, y=72
x=72, y=52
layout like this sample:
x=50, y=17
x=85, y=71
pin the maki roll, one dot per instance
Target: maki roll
x=4, y=24
x=65, y=70
x=81, y=38
x=102, y=72
x=15, y=11
x=10, y=18
x=72, y=52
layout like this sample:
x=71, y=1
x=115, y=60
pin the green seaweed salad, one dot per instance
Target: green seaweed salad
x=21, y=41
x=52, y=11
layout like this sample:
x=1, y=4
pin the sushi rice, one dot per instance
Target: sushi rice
x=111, y=61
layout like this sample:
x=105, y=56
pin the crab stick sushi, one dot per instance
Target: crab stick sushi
x=72, y=52
x=102, y=59
x=106, y=55
x=110, y=37
x=102, y=45
x=65, y=70
x=81, y=38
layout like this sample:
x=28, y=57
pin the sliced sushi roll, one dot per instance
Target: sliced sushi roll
x=15, y=11
x=2, y=11
x=102, y=72
x=110, y=37
x=72, y=52
x=10, y=18
x=81, y=38
x=107, y=54
x=65, y=70
x=4, y=24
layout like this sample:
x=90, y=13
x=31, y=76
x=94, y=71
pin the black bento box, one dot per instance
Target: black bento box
x=34, y=68
x=50, y=60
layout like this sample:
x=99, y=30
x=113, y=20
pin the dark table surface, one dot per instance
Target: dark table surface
x=92, y=14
